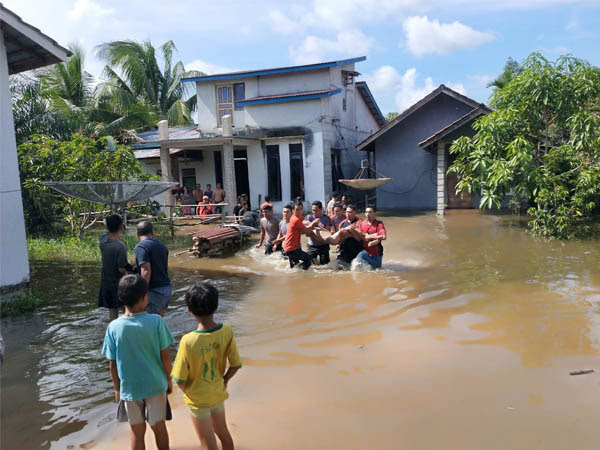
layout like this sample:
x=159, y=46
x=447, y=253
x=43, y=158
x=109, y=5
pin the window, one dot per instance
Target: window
x=239, y=93
x=296, y=171
x=273, y=173
x=188, y=177
x=336, y=170
x=224, y=103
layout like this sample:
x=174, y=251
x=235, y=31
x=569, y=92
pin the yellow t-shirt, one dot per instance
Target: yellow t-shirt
x=201, y=363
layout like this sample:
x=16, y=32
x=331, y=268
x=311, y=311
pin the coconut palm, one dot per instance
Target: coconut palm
x=135, y=83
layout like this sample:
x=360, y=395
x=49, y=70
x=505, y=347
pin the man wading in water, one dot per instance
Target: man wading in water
x=269, y=230
x=349, y=238
x=318, y=250
x=291, y=243
x=373, y=232
x=152, y=257
x=114, y=265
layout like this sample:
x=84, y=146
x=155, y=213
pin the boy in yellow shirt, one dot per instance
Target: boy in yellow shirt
x=199, y=368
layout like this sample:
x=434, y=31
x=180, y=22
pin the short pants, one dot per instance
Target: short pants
x=108, y=297
x=152, y=409
x=205, y=413
x=159, y=298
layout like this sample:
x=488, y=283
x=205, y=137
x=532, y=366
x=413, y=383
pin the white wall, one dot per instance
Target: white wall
x=270, y=115
x=14, y=263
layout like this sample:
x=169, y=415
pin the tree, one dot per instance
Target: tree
x=137, y=91
x=511, y=70
x=390, y=116
x=44, y=159
x=543, y=143
x=32, y=111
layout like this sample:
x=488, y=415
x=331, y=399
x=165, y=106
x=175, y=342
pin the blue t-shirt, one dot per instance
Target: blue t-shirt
x=135, y=342
x=151, y=250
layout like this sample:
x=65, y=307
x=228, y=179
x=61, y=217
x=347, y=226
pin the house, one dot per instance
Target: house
x=22, y=47
x=284, y=132
x=413, y=150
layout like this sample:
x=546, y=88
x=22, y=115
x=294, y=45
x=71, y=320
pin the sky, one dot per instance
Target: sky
x=412, y=46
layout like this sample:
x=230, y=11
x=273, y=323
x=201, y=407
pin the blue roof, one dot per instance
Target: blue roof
x=308, y=95
x=275, y=71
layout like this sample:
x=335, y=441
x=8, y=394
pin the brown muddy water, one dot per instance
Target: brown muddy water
x=464, y=340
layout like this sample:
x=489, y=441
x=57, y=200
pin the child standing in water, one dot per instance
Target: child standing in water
x=136, y=344
x=199, y=368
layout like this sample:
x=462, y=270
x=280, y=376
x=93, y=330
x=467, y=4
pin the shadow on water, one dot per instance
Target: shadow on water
x=53, y=365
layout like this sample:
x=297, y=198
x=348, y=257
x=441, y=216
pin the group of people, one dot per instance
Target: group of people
x=203, y=199
x=136, y=343
x=340, y=225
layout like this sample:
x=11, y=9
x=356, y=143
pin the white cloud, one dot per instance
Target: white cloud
x=481, y=80
x=206, y=67
x=424, y=36
x=406, y=88
x=347, y=43
x=83, y=8
x=282, y=24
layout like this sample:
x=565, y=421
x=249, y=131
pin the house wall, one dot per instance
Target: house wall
x=413, y=169
x=344, y=129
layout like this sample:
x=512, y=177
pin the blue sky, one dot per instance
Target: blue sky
x=412, y=46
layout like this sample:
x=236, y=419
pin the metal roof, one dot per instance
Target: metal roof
x=470, y=116
x=153, y=153
x=27, y=47
x=275, y=71
x=442, y=89
x=296, y=96
x=365, y=93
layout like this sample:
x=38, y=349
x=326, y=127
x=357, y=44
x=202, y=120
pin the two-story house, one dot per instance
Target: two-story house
x=293, y=132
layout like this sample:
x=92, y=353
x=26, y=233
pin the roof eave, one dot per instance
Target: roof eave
x=274, y=71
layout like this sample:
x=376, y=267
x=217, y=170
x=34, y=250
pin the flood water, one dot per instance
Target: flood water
x=464, y=340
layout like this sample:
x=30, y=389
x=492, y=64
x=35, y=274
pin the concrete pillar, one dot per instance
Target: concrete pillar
x=441, y=177
x=14, y=263
x=165, y=163
x=228, y=167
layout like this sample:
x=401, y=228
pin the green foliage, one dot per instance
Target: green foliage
x=80, y=159
x=391, y=116
x=23, y=302
x=137, y=92
x=511, y=70
x=542, y=143
x=33, y=113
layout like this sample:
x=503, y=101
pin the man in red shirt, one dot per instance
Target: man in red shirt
x=291, y=243
x=373, y=232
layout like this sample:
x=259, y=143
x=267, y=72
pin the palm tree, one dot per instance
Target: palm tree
x=69, y=89
x=136, y=86
x=512, y=69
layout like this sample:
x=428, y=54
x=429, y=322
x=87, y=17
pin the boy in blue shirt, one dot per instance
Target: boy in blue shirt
x=136, y=344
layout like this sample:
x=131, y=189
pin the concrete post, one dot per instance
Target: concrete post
x=228, y=167
x=165, y=164
x=14, y=263
x=441, y=178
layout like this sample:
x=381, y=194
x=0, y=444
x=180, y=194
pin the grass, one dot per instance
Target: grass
x=72, y=249
x=22, y=302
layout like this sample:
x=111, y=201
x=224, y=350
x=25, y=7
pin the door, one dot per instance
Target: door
x=242, y=184
x=455, y=200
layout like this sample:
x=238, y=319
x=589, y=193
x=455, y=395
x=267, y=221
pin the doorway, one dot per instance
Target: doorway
x=462, y=200
x=242, y=184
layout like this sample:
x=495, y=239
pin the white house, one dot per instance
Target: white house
x=294, y=132
x=22, y=47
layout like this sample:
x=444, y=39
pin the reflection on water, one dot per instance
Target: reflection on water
x=471, y=327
